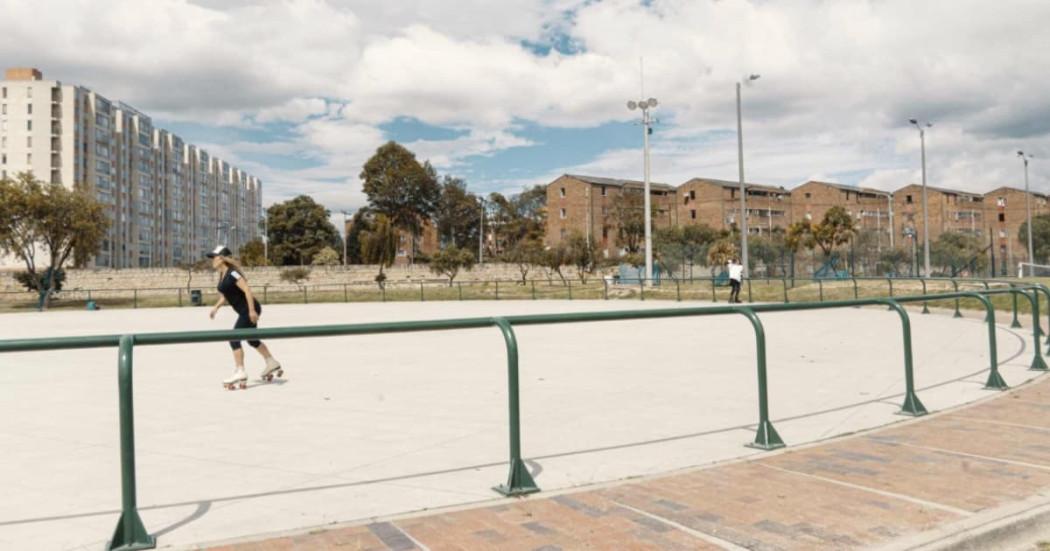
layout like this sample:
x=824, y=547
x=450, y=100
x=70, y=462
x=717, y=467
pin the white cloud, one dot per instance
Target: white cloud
x=839, y=79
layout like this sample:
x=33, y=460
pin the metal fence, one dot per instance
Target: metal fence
x=132, y=534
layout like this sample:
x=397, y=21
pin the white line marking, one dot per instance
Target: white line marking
x=915, y=500
x=714, y=540
x=973, y=455
x=994, y=422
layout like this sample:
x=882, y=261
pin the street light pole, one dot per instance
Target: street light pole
x=481, y=234
x=346, y=237
x=925, y=208
x=645, y=105
x=743, y=190
x=1027, y=205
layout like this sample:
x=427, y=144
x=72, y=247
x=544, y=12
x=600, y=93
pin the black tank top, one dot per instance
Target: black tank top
x=234, y=295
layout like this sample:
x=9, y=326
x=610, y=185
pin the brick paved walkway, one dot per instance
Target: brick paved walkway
x=857, y=491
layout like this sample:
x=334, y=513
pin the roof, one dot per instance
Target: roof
x=944, y=190
x=736, y=185
x=1015, y=190
x=846, y=187
x=619, y=182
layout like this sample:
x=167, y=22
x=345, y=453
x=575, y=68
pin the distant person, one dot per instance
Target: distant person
x=234, y=290
x=736, y=276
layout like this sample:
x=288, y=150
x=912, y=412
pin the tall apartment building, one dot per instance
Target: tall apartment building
x=716, y=203
x=587, y=205
x=168, y=201
x=871, y=209
x=1005, y=212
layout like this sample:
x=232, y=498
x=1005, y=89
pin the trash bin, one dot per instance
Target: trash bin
x=91, y=305
x=195, y=297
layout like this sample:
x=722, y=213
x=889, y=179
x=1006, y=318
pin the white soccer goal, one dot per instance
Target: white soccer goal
x=1028, y=269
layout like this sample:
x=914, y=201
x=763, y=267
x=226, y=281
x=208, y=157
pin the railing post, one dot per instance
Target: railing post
x=605, y=289
x=785, y=282
x=136, y=297
x=382, y=291
x=1015, y=323
x=306, y=299
x=678, y=290
x=1038, y=363
x=856, y=292
x=130, y=534
x=264, y=292
x=569, y=282
x=714, y=297
x=459, y=285
x=421, y=297
x=534, y=290
x=766, y=437
x=820, y=286
x=497, y=289
x=925, y=306
x=749, y=299
x=958, y=314
x=180, y=296
x=519, y=481
x=641, y=288
x=346, y=294
x=912, y=405
x=995, y=380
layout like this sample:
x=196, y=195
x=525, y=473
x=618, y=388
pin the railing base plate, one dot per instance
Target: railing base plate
x=912, y=406
x=995, y=382
x=766, y=438
x=1038, y=364
x=519, y=483
x=138, y=539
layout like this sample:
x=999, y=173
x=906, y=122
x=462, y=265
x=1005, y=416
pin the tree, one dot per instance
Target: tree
x=526, y=254
x=326, y=257
x=835, y=229
x=457, y=213
x=955, y=251
x=64, y=223
x=450, y=260
x=516, y=218
x=401, y=188
x=379, y=245
x=1040, y=237
x=583, y=254
x=720, y=253
x=677, y=246
x=628, y=213
x=891, y=261
x=554, y=258
x=360, y=223
x=298, y=229
x=253, y=253
x=297, y=276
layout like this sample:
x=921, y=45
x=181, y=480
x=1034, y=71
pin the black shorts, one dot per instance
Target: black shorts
x=245, y=322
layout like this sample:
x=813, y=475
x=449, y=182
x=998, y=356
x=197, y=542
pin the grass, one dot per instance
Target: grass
x=757, y=290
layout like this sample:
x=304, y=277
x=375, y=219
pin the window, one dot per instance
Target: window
x=907, y=199
x=3, y=158
x=692, y=194
x=562, y=192
x=29, y=142
x=29, y=91
x=3, y=109
x=605, y=191
x=1002, y=217
x=1000, y=201
x=3, y=142
x=685, y=200
x=563, y=214
x=605, y=232
x=808, y=195
x=3, y=92
x=692, y=214
x=29, y=108
x=29, y=158
x=29, y=126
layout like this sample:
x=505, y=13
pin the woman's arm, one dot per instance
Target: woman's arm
x=243, y=286
x=215, y=310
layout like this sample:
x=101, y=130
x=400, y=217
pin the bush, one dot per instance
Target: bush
x=326, y=257
x=27, y=281
x=295, y=275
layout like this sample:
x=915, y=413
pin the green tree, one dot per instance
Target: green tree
x=894, y=261
x=834, y=230
x=954, y=252
x=1040, y=237
x=677, y=246
x=457, y=213
x=554, y=259
x=450, y=260
x=628, y=214
x=62, y=223
x=298, y=229
x=526, y=253
x=326, y=257
x=583, y=254
x=379, y=245
x=400, y=188
x=253, y=253
x=359, y=224
x=515, y=218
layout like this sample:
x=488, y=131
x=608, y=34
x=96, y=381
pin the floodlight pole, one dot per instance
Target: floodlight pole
x=743, y=189
x=1027, y=207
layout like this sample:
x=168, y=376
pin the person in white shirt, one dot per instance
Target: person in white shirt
x=736, y=276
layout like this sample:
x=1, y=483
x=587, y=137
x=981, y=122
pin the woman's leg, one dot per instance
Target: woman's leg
x=238, y=357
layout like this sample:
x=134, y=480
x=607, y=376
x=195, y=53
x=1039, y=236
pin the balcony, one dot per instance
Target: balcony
x=56, y=111
x=56, y=144
x=56, y=128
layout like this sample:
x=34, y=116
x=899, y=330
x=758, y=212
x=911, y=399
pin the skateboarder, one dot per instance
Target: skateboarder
x=234, y=290
x=736, y=276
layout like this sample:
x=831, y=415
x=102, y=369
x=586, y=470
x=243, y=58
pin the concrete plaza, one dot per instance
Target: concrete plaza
x=371, y=426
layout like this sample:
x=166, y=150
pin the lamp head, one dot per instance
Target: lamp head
x=632, y=105
x=753, y=77
x=913, y=121
x=652, y=102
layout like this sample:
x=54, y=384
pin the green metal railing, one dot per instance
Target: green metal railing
x=131, y=533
